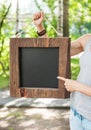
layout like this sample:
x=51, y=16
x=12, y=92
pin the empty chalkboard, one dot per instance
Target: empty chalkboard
x=39, y=67
x=34, y=65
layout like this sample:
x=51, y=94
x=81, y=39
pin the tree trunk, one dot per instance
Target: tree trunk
x=17, y=17
x=60, y=17
x=65, y=18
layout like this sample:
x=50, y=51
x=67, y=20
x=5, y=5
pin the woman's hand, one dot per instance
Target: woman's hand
x=38, y=18
x=70, y=85
x=73, y=85
x=38, y=21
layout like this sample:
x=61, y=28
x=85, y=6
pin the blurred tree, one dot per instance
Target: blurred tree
x=65, y=18
x=17, y=16
x=79, y=23
x=4, y=33
x=79, y=17
x=63, y=25
x=60, y=17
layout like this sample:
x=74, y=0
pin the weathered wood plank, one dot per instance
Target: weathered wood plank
x=16, y=90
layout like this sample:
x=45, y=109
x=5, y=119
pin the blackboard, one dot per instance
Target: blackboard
x=35, y=64
x=39, y=67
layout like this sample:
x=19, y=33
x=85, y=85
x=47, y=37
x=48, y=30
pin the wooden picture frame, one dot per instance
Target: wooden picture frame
x=61, y=47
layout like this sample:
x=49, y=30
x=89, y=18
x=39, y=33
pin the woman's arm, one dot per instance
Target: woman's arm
x=85, y=89
x=77, y=46
x=38, y=19
x=73, y=85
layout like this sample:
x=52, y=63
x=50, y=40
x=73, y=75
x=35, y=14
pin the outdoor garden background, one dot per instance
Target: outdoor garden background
x=18, y=17
x=71, y=18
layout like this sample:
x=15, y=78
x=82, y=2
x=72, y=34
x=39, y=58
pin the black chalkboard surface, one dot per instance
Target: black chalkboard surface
x=39, y=67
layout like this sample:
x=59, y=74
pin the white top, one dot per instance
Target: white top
x=79, y=101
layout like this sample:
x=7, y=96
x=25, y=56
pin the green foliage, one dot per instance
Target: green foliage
x=53, y=20
x=31, y=32
x=79, y=18
x=5, y=29
x=4, y=82
x=11, y=128
x=51, y=5
x=79, y=21
x=74, y=68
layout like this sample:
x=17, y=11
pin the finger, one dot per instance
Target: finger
x=42, y=14
x=61, y=78
x=38, y=14
x=34, y=17
x=67, y=88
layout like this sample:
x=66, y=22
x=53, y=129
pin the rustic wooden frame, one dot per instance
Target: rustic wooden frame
x=62, y=43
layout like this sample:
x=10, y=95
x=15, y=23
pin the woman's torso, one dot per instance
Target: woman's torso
x=79, y=101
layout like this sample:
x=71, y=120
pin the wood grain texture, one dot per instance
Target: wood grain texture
x=16, y=90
